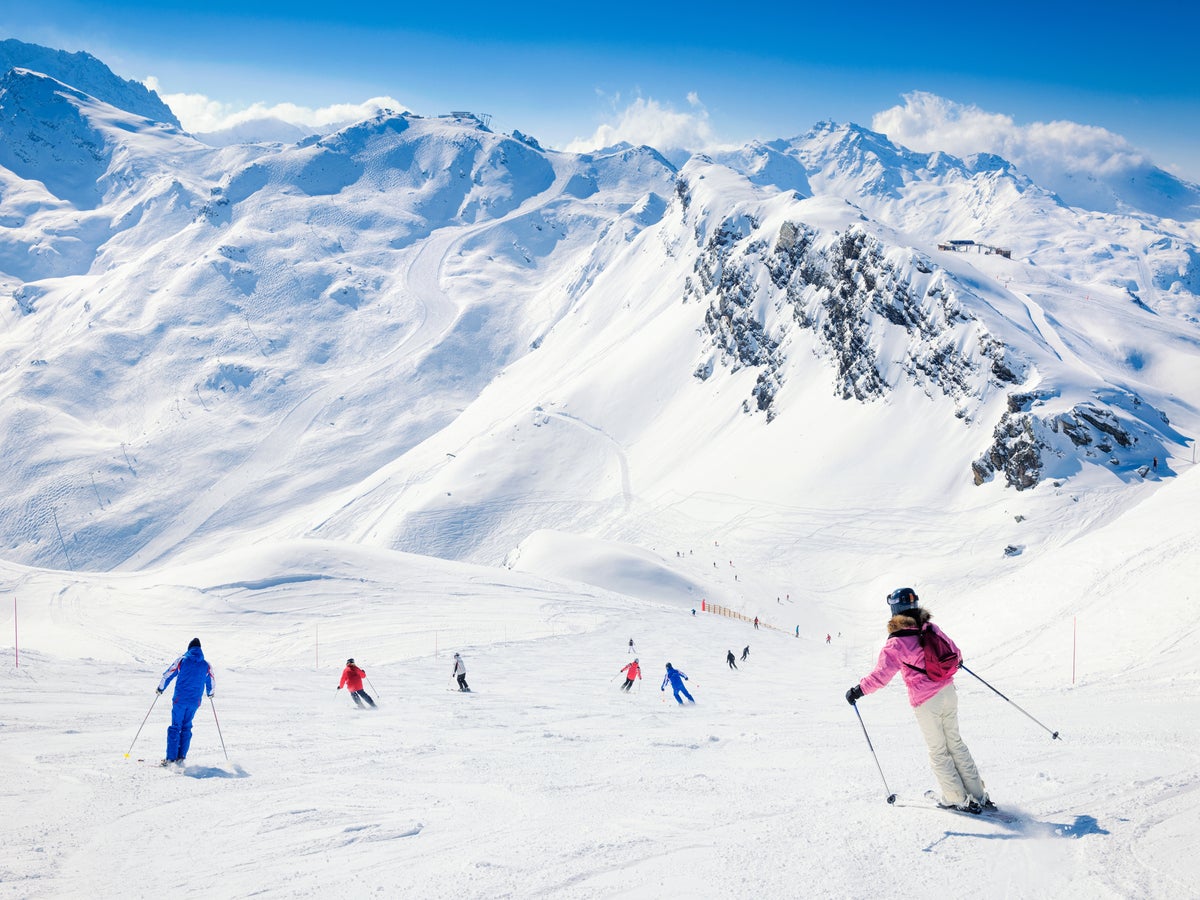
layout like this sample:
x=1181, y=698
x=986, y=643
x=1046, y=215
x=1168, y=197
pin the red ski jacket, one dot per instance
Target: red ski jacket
x=632, y=671
x=352, y=677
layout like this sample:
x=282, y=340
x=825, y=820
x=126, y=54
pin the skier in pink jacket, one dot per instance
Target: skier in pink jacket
x=934, y=702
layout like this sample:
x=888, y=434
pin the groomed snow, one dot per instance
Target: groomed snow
x=549, y=782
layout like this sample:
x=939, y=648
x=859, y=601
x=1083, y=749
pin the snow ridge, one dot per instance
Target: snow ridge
x=89, y=75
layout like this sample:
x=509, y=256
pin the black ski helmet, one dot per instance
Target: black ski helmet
x=350, y=661
x=194, y=642
x=902, y=600
x=669, y=666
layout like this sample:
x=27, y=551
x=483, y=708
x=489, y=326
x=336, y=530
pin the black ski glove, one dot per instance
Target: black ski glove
x=854, y=695
x=158, y=691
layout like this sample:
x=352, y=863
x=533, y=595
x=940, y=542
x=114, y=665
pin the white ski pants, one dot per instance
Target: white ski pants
x=949, y=756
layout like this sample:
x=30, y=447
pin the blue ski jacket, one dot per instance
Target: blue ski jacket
x=195, y=676
x=676, y=678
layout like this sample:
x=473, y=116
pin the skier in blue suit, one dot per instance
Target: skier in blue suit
x=676, y=679
x=193, y=678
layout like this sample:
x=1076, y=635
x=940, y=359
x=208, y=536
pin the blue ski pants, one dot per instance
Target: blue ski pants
x=680, y=689
x=179, y=735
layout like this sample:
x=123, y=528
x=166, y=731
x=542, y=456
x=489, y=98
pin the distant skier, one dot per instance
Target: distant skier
x=828, y=639
x=460, y=672
x=676, y=680
x=730, y=660
x=935, y=703
x=797, y=631
x=745, y=653
x=756, y=623
x=632, y=671
x=632, y=649
x=193, y=678
x=352, y=678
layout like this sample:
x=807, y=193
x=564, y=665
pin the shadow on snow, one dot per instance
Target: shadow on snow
x=1019, y=828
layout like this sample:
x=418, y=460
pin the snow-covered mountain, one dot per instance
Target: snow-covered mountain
x=260, y=131
x=1148, y=249
x=88, y=74
x=334, y=330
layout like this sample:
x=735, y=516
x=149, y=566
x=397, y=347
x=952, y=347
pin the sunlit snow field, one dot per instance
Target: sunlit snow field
x=547, y=780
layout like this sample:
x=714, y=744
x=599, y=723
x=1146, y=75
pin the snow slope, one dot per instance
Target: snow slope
x=547, y=781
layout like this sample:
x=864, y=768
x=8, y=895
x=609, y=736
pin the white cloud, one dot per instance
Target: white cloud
x=647, y=121
x=200, y=114
x=1054, y=154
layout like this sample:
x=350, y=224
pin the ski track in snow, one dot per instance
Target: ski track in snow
x=622, y=460
x=422, y=281
x=1051, y=336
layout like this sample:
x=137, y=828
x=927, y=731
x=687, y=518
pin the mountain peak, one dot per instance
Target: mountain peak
x=56, y=134
x=89, y=75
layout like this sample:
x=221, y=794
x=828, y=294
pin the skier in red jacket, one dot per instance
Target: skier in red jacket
x=632, y=671
x=352, y=677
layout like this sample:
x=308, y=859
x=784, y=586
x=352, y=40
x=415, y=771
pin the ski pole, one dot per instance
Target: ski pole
x=1053, y=734
x=891, y=798
x=157, y=694
x=377, y=694
x=218, y=721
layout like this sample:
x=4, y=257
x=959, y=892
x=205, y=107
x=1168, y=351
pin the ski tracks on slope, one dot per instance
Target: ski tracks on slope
x=1049, y=333
x=422, y=281
x=619, y=451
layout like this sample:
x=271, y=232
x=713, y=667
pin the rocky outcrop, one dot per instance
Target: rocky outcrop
x=850, y=291
x=1024, y=443
x=730, y=320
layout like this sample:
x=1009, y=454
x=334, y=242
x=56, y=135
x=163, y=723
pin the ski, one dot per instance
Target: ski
x=159, y=764
x=993, y=813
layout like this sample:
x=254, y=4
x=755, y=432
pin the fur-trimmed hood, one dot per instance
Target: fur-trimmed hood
x=909, y=619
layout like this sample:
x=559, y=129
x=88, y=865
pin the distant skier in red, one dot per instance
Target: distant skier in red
x=632, y=671
x=352, y=677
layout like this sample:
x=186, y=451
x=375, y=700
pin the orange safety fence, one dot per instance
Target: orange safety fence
x=719, y=610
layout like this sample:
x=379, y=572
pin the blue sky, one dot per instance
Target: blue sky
x=722, y=73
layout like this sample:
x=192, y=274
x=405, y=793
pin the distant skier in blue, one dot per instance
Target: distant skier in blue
x=193, y=678
x=676, y=678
